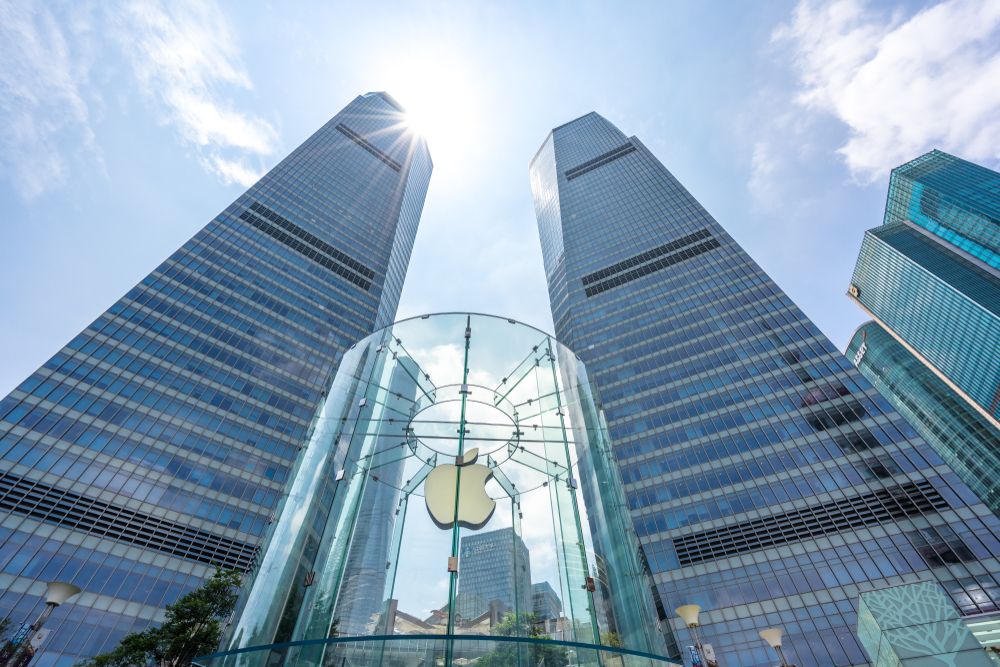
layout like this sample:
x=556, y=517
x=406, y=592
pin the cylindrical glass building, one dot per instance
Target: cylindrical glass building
x=455, y=503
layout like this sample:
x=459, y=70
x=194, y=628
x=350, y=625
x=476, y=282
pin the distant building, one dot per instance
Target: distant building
x=930, y=274
x=545, y=601
x=930, y=278
x=960, y=435
x=493, y=566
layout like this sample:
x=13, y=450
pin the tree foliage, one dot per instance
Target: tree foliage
x=612, y=639
x=192, y=628
x=506, y=654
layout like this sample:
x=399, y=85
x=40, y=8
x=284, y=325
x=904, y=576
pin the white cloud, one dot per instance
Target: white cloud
x=902, y=84
x=183, y=54
x=763, y=165
x=231, y=171
x=43, y=68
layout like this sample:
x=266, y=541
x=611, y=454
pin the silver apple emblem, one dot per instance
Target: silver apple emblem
x=474, y=508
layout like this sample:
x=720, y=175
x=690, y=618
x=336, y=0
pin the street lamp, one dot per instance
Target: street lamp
x=773, y=637
x=689, y=614
x=57, y=592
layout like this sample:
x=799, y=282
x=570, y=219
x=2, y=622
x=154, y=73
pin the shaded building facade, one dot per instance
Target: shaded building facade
x=154, y=447
x=769, y=482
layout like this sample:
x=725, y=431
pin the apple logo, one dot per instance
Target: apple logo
x=475, y=507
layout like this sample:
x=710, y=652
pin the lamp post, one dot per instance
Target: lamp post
x=773, y=638
x=57, y=592
x=689, y=614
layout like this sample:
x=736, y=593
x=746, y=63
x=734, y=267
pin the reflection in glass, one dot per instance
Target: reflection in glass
x=458, y=462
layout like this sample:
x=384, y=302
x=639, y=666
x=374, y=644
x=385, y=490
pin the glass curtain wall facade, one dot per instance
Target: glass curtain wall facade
x=930, y=274
x=545, y=602
x=769, y=482
x=155, y=446
x=956, y=200
x=485, y=434
x=966, y=441
x=493, y=571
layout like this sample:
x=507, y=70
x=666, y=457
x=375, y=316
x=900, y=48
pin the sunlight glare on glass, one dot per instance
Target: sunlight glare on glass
x=442, y=105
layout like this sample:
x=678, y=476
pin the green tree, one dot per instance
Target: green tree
x=192, y=628
x=506, y=653
x=611, y=639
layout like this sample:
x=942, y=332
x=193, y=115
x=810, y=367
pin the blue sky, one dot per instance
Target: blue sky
x=125, y=127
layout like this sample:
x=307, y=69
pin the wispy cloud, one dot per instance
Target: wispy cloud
x=43, y=69
x=763, y=165
x=902, y=83
x=185, y=58
x=183, y=54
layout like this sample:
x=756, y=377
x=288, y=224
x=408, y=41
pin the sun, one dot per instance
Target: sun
x=443, y=103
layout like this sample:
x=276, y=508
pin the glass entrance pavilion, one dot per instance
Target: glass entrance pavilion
x=457, y=460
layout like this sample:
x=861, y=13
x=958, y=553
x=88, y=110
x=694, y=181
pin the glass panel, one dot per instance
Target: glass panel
x=458, y=481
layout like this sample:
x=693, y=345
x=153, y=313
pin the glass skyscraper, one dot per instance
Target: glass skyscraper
x=930, y=274
x=966, y=441
x=495, y=568
x=545, y=603
x=769, y=482
x=154, y=447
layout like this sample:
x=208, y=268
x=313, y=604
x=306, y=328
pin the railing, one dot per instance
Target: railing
x=431, y=651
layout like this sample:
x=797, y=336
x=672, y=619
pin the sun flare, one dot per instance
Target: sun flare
x=442, y=102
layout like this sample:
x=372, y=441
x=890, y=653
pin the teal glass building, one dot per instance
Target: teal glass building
x=956, y=200
x=155, y=446
x=967, y=442
x=930, y=274
x=768, y=481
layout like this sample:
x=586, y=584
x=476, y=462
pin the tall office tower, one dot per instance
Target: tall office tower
x=768, y=481
x=930, y=274
x=959, y=434
x=495, y=567
x=545, y=602
x=154, y=446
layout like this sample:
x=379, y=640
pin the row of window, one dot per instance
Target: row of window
x=599, y=161
x=368, y=146
x=135, y=484
x=159, y=382
x=652, y=267
x=26, y=555
x=212, y=323
x=785, y=460
x=61, y=458
x=95, y=517
x=882, y=505
x=305, y=249
x=311, y=289
x=716, y=506
x=646, y=256
x=210, y=301
x=319, y=243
